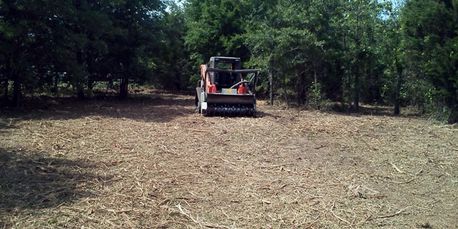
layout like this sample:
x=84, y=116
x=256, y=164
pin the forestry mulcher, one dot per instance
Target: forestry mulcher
x=226, y=89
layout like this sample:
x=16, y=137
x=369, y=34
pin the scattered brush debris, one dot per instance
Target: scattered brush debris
x=151, y=162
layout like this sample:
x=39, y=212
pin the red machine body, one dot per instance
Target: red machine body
x=225, y=88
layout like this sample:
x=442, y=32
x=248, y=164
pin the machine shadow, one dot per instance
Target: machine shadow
x=29, y=180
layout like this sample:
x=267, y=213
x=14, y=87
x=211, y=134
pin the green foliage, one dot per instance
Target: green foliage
x=77, y=42
x=333, y=41
x=352, y=51
x=429, y=46
x=215, y=28
x=172, y=66
x=315, y=99
x=281, y=39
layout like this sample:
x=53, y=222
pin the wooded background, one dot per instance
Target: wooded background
x=311, y=52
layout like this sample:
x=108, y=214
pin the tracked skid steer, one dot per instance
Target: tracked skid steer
x=225, y=89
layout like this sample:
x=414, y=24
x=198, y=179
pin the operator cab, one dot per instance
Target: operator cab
x=225, y=79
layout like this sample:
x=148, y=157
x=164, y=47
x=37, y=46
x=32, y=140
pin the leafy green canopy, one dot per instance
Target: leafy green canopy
x=350, y=51
x=77, y=41
x=430, y=53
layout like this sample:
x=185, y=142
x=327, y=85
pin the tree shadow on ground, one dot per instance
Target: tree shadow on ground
x=5, y=125
x=141, y=107
x=371, y=110
x=266, y=113
x=30, y=180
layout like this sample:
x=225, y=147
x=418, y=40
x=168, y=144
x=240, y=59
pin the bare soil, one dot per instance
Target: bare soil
x=152, y=162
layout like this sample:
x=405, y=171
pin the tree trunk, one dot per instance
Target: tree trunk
x=110, y=84
x=80, y=91
x=300, y=89
x=452, y=104
x=271, y=87
x=90, y=86
x=5, y=89
x=356, y=88
x=301, y=85
x=453, y=118
x=356, y=92
x=124, y=87
x=17, y=92
x=285, y=94
x=397, y=92
x=286, y=97
x=55, y=86
x=80, y=78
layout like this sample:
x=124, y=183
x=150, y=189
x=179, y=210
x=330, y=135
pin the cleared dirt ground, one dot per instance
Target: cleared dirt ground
x=151, y=162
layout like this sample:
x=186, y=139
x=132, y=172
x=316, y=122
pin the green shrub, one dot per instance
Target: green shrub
x=315, y=98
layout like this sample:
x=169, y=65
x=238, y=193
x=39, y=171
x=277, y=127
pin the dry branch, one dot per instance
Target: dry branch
x=394, y=214
x=396, y=168
x=186, y=213
x=335, y=215
x=144, y=158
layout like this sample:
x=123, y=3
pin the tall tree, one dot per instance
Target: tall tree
x=284, y=38
x=390, y=52
x=358, y=22
x=215, y=27
x=172, y=65
x=430, y=47
x=137, y=26
x=19, y=26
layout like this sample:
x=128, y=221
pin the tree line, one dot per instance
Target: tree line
x=46, y=43
x=310, y=52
